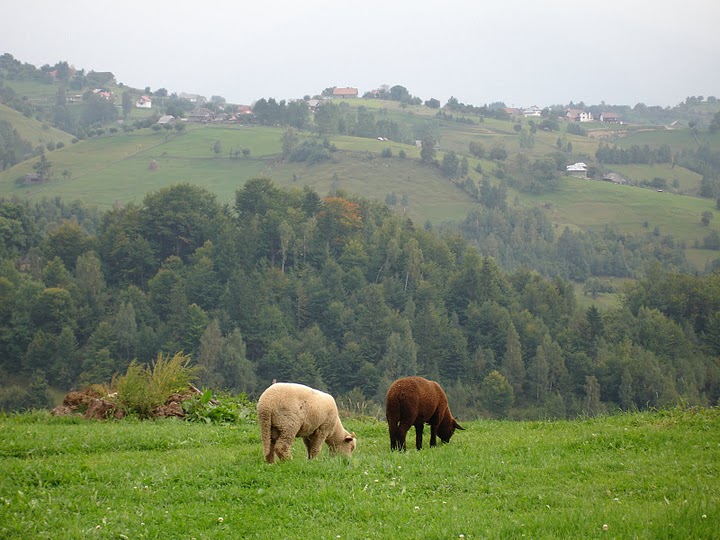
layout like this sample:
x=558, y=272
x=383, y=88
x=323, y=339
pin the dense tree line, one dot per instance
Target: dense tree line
x=635, y=154
x=706, y=162
x=13, y=148
x=330, y=118
x=339, y=293
x=496, y=110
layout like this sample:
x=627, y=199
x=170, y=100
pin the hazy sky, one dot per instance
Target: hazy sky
x=522, y=52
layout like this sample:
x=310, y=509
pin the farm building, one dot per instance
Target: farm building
x=615, y=178
x=193, y=98
x=200, y=115
x=345, y=92
x=143, y=102
x=609, y=118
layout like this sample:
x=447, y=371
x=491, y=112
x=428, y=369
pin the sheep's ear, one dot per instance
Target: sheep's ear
x=457, y=426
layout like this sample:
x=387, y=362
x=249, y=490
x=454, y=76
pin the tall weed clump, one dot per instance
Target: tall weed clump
x=143, y=388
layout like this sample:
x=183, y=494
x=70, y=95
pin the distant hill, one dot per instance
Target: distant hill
x=124, y=166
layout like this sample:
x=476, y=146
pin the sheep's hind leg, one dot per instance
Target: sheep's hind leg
x=402, y=435
x=270, y=456
x=394, y=429
x=418, y=434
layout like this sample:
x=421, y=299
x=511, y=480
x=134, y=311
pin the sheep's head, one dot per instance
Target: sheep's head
x=346, y=446
x=446, y=429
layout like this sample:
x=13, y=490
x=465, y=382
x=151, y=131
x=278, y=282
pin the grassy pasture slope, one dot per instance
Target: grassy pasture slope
x=643, y=476
x=688, y=181
x=678, y=139
x=31, y=130
x=106, y=169
x=113, y=168
x=590, y=204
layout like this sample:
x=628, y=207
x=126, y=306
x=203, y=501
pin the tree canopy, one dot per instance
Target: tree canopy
x=343, y=294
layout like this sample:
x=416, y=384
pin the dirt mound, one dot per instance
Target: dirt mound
x=92, y=404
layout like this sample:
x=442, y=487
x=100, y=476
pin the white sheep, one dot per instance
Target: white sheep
x=289, y=410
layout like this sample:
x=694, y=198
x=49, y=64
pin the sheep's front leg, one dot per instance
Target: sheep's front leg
x=314, y=444
x=433, y=434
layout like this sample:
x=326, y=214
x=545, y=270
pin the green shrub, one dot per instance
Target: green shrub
x=220, y=409
x=144, y=388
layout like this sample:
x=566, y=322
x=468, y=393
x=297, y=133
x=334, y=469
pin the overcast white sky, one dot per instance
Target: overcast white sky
x=522, y=52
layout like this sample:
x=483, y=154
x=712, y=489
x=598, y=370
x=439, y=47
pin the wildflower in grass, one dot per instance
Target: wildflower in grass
x=605, y=527
x=220, y=519
x=417, y=508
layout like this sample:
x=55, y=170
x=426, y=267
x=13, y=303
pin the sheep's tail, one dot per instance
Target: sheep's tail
x=265, y=421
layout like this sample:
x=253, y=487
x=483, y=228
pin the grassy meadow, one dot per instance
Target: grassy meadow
x=592, y=205
x=117, y=168
x=643, y=475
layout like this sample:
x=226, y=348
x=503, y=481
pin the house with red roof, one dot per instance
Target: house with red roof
x=345, y=92
x=143, y=102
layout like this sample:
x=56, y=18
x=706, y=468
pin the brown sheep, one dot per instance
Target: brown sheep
x=289, y=410
x=415, y=401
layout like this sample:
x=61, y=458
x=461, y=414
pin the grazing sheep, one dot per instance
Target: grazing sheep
x=415, y=401
x=289, y=410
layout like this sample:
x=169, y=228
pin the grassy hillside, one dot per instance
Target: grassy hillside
x=106, y=169
x=31, y=130
x=114, y=168
x=645, y=476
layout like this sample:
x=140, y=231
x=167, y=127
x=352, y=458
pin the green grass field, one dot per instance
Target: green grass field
x=117, y=168
x=643, y=475
x=593, y=204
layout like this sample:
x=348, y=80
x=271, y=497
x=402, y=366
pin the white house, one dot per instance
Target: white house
x=577, y=115
x=143, y=102
x=532, y=111
x=579, y=170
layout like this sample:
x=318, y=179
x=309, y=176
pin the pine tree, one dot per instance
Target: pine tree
x=512, y=366
x=497, y=394
x=537, y=375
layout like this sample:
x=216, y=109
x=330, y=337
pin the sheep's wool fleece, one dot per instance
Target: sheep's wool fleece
x=299, y=405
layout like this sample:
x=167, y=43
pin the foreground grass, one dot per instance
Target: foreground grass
x=648, y=475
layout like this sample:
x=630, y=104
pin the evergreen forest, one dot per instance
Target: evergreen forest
x=343, y=294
